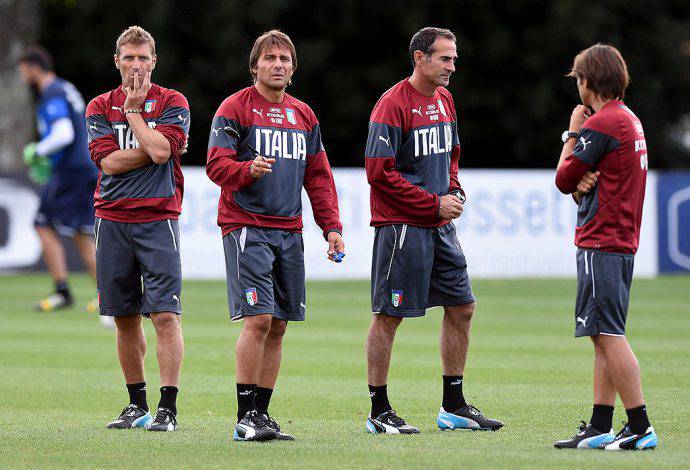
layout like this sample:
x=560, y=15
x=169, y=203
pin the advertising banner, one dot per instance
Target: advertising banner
x=673, y=200
x=515, y=224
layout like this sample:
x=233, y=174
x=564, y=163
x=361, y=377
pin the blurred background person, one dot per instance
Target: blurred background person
x=60, y=162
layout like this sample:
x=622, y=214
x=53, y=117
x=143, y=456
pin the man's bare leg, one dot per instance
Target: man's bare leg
x=604, y=393
x=170, y=349
x=623, y=368
x=170, y=346
x=273, y=348
x=131, y=347
x=604, y=390
x=455, y=338
x=249, y=357
x=379, y=348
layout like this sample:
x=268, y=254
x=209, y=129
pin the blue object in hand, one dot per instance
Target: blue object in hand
x=338, y=257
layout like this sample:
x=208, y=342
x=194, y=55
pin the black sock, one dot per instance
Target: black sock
x=262, y=399
x=637, y=419
x=246, y=396
x=602, y=418
x=137, y=395
x=62, y=288
x=168, y=398
x=453, y=398
x=379, y=400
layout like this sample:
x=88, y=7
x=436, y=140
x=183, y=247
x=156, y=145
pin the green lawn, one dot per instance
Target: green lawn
x=60, y=382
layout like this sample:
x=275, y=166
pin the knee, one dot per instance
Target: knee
x=166, y=322
x=258, y=325
x=386, y=323
x=128, y=323
x=461, y=312
x=278, y=329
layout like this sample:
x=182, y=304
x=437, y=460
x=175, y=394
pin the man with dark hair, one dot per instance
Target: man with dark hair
x=264, y=147
x=137, y=133
x=60, y=161
x=606, y=150
x=412, y=156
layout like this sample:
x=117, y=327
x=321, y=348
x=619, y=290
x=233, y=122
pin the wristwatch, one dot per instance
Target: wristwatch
x=568, y=135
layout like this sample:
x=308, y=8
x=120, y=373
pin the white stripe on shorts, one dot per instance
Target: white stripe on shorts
x=243, y=238
x=173, y=235
x=98, y=231
x=238, y=253
x=591, y=262
x=403, y=232
x=395, y=242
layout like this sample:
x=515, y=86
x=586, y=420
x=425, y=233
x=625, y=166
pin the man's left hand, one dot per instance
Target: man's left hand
x=335, y=245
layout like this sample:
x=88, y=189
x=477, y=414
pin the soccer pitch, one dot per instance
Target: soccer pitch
x=61, y=382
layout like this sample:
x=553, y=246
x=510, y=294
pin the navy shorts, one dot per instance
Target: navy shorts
x=416, y=268
x=67, y=204
x=138, y=267
x=603, y=292
x=265, y=273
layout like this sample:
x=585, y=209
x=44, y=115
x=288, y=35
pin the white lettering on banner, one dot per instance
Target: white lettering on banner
x=515, y=224
x=428, y=141
x=280, y=144
x=125, y=136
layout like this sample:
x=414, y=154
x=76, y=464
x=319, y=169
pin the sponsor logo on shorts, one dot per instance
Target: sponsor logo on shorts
x=583, y=320
x=252, y=297
x=396, y=298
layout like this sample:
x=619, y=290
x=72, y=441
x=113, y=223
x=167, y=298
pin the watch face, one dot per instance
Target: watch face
x=564, y=136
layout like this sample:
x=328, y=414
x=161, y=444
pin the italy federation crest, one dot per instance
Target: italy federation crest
x=291, y=117
x=149, y=106
x=252, y=298
x=442, y=108
x=396, y=298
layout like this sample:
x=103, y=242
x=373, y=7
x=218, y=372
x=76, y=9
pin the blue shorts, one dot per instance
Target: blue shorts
x=138, y=267
x=603, y=292
x=67, y=203
x=415, y=268
x=265, y=273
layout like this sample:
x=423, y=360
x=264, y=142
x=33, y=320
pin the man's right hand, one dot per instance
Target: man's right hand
x=261, y=166
x=450, y=207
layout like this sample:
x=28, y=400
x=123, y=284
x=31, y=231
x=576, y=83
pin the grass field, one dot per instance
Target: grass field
x=61, y=382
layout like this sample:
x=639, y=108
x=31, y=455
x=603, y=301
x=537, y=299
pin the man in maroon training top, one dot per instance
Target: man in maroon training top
x=264, y=147
x=411, y=160
x=607, y=152
x=137, y=133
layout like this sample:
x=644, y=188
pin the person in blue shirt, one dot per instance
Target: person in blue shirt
x=61, y=163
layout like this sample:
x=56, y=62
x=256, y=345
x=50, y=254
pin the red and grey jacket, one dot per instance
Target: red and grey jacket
x=152, y=192
x=412, y=156
x=288, y=132
x=609, y=216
